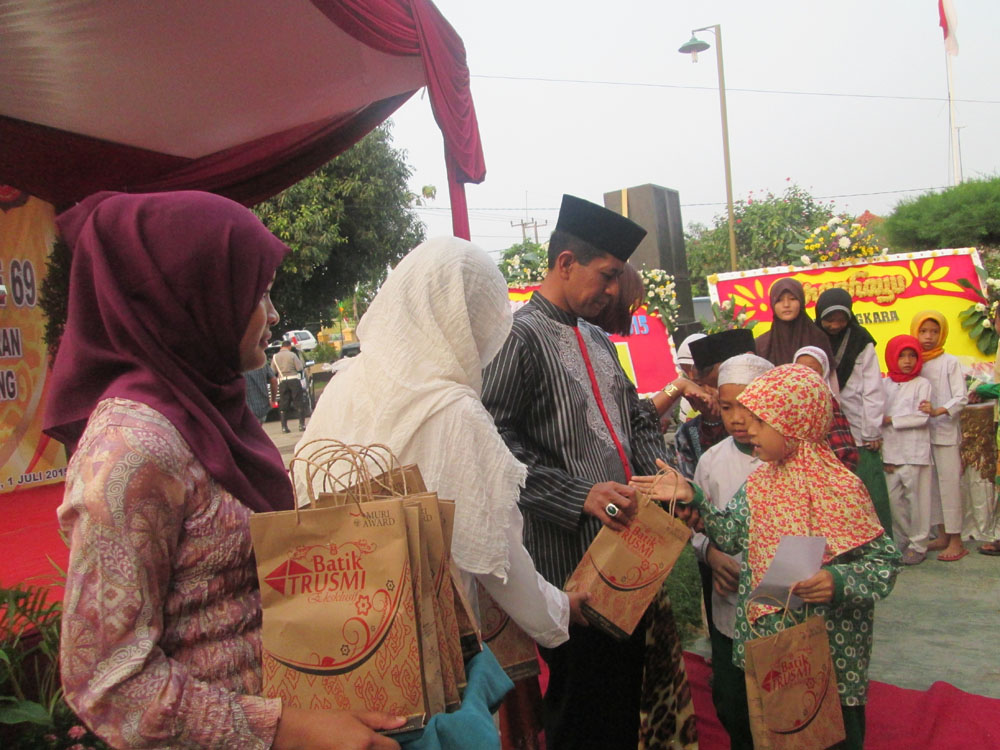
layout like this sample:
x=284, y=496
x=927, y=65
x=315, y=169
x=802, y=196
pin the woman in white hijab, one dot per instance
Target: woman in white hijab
x=440, y=317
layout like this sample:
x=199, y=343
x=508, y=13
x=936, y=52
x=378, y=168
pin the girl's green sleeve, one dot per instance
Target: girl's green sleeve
x=865, y=574
x=729, y=527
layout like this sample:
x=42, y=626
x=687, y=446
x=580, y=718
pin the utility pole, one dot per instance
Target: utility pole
x=525, y=224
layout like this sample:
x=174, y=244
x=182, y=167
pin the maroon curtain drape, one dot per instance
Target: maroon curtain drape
x=62, y=167
x=253, y=172
x=416, y=27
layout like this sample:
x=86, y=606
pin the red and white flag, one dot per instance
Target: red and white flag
x=949, y=25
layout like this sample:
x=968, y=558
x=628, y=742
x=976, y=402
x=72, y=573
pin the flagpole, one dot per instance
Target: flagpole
x=956, y=158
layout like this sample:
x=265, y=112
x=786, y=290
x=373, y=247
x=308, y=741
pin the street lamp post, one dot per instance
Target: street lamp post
x=693, y=47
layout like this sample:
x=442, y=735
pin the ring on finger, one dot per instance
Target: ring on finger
x=611, y=509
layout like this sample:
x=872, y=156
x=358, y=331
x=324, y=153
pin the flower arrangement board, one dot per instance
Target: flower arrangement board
x=888, y=290
x=647, y=354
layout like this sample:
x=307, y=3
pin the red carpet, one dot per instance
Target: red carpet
x=942, y=718
x=29, y=536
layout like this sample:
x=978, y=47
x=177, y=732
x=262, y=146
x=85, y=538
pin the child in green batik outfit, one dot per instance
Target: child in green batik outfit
x=803, y=490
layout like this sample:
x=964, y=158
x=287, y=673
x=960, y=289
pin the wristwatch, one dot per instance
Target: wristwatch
x=671, y=391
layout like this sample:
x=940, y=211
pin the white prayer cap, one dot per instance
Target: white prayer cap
x=818, y=354
x=742, y=369
x=684, y=350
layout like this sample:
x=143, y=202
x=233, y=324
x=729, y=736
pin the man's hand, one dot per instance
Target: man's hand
x=303, y=729
x=576, y=600
x=664, y=487
x=873, y=445
x=702, y=398
x=725, y=571
x=602, y=495
x=815, y=590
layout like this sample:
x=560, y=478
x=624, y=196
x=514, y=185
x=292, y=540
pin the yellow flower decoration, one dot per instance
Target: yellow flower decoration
x=930, y=277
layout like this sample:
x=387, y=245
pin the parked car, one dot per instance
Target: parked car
x=273, y=348
x=304, y=340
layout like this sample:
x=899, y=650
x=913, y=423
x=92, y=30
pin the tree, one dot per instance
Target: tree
x=524, y=263
x=966, y=215
x=769, y=232
x=346, y=224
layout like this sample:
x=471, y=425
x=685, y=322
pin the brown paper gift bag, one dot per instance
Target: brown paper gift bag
x=469, y=634
x=344, y=472
x=436, y=598
x=339, y=616
x=513, y=648
x=397, y=481
x=427, y=619
x=445, y=664
x=792, y=689
x=437, y=522
x=623, y=571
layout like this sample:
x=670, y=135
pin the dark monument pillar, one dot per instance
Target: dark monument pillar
x=658, y=210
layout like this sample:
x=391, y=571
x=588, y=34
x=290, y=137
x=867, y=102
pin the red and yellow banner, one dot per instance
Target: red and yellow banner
x=887, y=292
x=646, y=354
x=27, y=457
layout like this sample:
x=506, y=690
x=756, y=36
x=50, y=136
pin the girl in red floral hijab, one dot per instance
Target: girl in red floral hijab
x=802, y=489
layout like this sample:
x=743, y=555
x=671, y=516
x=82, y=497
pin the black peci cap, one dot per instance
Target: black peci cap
x=718, y=347
x=600, y=226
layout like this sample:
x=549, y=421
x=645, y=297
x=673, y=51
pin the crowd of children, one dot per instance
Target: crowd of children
x=818, y=442
x=905, y=426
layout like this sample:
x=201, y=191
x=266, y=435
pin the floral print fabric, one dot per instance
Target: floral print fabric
x=861, y=577
x=809, y=493
x=161, y=626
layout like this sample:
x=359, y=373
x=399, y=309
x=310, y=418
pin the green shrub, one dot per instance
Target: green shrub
x=324, y=353
x=967, y=215
x=769, y=231
x=33, y=713
x=684, y=587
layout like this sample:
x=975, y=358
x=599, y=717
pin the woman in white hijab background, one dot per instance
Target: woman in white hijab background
x=840, y=438
x=440, y=317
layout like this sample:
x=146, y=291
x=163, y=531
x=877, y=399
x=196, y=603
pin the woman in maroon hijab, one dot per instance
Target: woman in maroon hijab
x=161, y=624
x=791, y=326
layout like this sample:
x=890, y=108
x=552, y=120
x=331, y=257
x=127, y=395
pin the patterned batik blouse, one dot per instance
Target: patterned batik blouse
x=161, y=626
x=861, y=576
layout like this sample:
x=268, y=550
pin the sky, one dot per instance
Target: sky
x=848, y=99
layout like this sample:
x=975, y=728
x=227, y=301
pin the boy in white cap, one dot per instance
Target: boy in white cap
x=721, y=471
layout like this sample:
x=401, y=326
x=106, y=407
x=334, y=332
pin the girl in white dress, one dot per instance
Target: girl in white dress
x=906, y=447
x=948, y=398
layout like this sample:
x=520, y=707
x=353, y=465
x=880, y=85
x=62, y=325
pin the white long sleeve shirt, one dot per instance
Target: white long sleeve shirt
x=908, y=439
x=538, y=607
x=947, y=390
x=862, y=398
x=721, y=471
